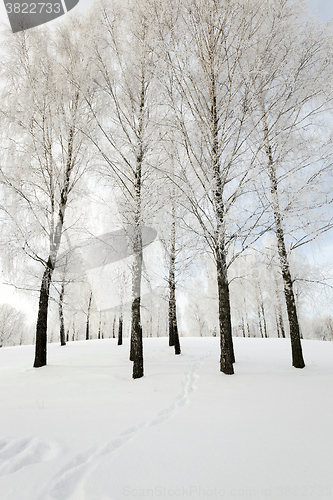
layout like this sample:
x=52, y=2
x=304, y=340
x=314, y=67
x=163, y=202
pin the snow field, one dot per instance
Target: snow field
x=82, y=429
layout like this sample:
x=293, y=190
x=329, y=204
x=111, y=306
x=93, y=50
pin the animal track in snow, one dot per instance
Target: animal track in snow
x=68, y=479
x=18, y=453
x=183, y=397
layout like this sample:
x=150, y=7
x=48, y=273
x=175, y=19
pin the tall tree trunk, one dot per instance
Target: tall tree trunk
x=246, y=320
x=55, y=240
x=279, y=309
x=262, y=311
x=248, y=326
x=99, y=326
x=88, y=317
x=73, y=329
x=173, y=325
x=264, y=319
x=227, y=351
x=41, y=328
x=136, y=327
x=296, y=347
x=61, y=315
x=114, y=327
x=226, y=359
x=176, y=336
x=120, y=330
x=260, y=325
x=277, y=325
x=243, y=326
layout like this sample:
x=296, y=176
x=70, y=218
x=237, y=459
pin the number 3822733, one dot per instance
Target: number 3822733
x=33, y=8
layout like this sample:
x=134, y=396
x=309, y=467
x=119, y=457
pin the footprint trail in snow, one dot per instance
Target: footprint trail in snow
x=66, y=483
x=18, y=453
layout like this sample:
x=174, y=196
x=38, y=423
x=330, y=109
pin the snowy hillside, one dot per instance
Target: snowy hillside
x=82, y=429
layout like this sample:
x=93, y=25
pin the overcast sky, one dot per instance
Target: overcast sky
x=324, y=8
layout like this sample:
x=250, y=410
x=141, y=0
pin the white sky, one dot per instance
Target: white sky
x=324, y=8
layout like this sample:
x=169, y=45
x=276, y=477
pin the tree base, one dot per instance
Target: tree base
x=226, y=367
x=177, y=344
x=138, y=368
x=39, y=364
x=228, y=371
x=299, y=364
x=297, y=354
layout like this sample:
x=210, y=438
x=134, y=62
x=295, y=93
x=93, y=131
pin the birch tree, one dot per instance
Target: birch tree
x=62, y=333
x=127, y=117
x=172, y=242
x=173, y=324
x=204, y=45
x=45, y=152
x=289, y=98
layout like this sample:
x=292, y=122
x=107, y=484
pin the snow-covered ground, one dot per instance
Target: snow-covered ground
x=82, y=429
